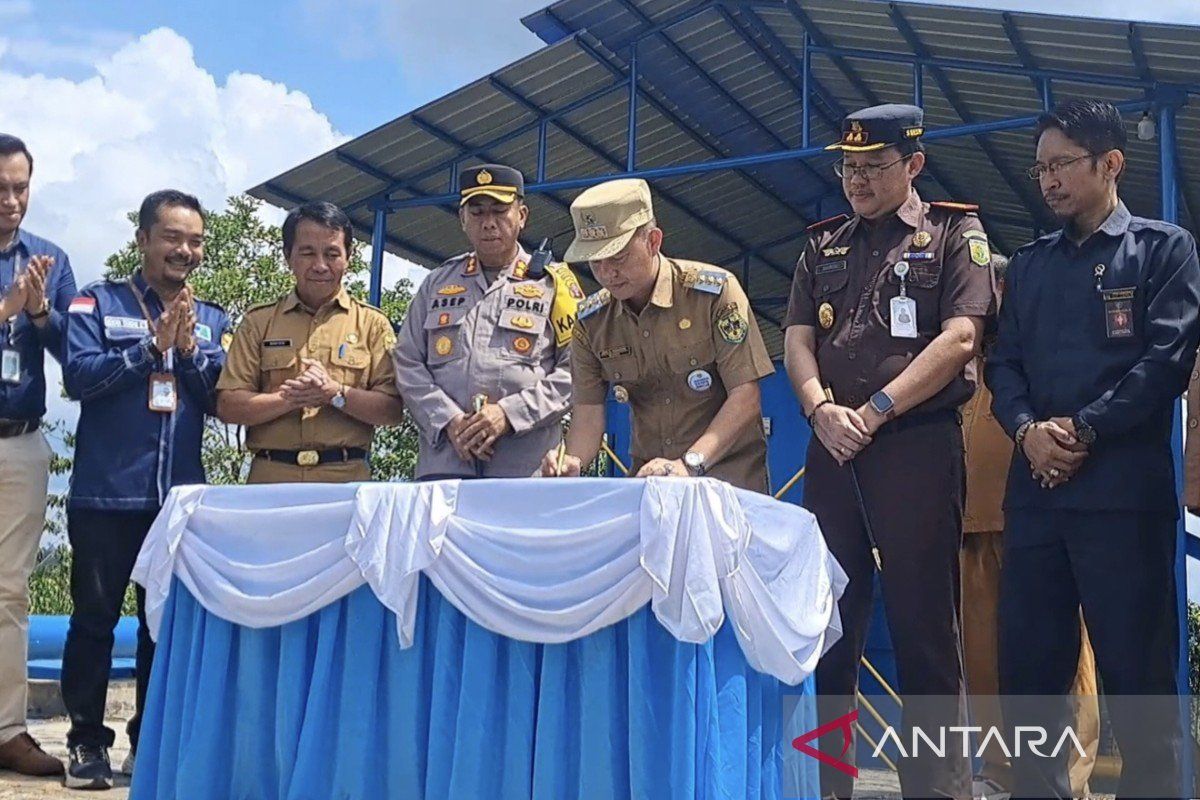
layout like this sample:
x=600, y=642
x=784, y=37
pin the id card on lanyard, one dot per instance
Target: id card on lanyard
x=10, y=357
x=163, y=395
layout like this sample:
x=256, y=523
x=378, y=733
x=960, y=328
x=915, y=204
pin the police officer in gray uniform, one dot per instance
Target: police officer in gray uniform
x=482, y=359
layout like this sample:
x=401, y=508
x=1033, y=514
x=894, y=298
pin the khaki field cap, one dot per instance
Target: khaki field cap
x=606, y=217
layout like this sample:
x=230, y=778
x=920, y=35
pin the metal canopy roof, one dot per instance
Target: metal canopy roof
x=726, y=80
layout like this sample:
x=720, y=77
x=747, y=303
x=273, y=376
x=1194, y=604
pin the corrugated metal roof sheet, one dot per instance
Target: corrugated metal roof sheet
x=719, y=81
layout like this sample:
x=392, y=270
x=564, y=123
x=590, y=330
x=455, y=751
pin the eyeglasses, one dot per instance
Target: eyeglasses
x=1038, y=171
x=869, y=171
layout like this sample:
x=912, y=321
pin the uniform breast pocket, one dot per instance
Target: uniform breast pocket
x=620, y=366
x=278, y=364
x=830, y=279
x=350, y=363
x=443, y=331
x=521, y=336
x=923, y=285
x=694, y=363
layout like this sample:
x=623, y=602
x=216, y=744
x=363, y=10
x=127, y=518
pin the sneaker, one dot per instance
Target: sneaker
x=987, y=789
x=127, y=764
x=89, y=768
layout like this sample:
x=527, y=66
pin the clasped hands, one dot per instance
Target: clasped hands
x=475, y=435
x=1054, y=451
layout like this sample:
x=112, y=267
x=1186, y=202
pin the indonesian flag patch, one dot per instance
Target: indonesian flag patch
x=82, y=305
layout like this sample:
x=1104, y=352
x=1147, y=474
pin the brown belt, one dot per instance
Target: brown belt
x=18, y=427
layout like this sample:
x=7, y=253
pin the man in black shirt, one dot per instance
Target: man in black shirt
x=1098, y=335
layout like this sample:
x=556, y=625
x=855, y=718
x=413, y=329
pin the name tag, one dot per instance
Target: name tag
x=125, y=324
x=614, y=352
x=1118, y=312
x=277, y=343
x=904, y=318
x=832, y=266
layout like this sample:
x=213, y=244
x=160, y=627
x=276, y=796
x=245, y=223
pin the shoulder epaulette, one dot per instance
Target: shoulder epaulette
x=593, y=303
x=966, y=208
x=827, y=222
x=261, y=306
x=710, y=281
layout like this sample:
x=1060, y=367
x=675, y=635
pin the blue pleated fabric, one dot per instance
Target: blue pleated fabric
x=330, y=707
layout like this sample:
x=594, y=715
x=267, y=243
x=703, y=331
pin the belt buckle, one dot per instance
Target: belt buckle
x=308, y=458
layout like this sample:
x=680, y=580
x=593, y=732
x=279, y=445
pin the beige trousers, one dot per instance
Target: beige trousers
x=981, y=559
x=24, y=473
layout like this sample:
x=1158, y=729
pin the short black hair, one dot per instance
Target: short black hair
x=322, y=213
x=10, y=145
x=910, y=148
x=1094, y=125
x=148, y=213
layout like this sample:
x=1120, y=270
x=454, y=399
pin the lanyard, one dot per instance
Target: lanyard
x=169, y=353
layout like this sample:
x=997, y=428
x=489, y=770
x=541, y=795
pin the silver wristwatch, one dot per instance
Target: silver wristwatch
x=694, y=461
x=338, y=401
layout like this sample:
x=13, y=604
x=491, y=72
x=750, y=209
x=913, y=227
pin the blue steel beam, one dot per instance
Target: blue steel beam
x=595, y=149
x=690, y=131
x=1134, y=37
x=1021, y=189
x=378, y=244
x=834, y=117
x=742, y=162
x=727, y=98
x=1024, y=54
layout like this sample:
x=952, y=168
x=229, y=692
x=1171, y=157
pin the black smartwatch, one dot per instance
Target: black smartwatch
x=1085, y=433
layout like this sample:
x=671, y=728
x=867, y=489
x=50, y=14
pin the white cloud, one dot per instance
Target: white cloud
x=146, y=118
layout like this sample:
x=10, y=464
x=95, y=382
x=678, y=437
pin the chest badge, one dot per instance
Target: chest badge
x=352, y=338
x=700, y=380
x=835, y=252
x=684, y=324
x=621, y=394
x=451, y=289
x=522, y=344
x=530, y=291
x=921, y=239
x=825, y=315
x=522, y=322
x=443, y=346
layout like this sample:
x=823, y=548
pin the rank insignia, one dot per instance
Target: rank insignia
x=522, y=344
x=472, y=266
x=732, y=325
x=520, y=270
x=530, y=291
x=621, y=394
x=443, y=346
x=522, y=322
x=834, y=252
x=981, y=253
x=451, y=289
x=825, y=315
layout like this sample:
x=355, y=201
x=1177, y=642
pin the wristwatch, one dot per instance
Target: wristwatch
x=883, y=404
x=338, y=401
x=1023, y=431
x=694, y=461
x=1085, y=433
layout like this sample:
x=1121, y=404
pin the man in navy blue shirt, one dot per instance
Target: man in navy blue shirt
x=36, y=285
x=143, y=358
x=1098, y=335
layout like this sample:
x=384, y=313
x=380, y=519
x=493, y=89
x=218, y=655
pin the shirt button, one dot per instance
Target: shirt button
x=667, y=401
x=617, y=375
x=693, y=361
x=852, y=356
x=1192, y=422
x=645, y=334
x=668, y=441
x=875, y=253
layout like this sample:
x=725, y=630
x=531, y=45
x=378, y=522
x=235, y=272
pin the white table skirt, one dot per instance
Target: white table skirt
x=535, y=560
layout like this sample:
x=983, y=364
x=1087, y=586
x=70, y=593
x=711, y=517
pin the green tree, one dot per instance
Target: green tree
x=244, y=267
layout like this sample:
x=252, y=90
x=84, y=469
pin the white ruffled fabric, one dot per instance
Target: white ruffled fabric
x=544, y=561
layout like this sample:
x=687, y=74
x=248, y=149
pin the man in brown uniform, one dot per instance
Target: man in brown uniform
x=310, y=376
x=988, y=451
x=886, y=311
x=675, y=339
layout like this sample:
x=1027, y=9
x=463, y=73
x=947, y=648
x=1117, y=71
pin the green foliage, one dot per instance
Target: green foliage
x=50, y=585
x=243, y=267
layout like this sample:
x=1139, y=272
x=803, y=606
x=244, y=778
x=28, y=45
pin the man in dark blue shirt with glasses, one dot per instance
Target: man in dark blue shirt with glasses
x=1098, y=335
x=36, y=286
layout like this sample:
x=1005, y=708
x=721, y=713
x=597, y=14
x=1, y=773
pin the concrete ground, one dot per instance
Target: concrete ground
x=51, y=730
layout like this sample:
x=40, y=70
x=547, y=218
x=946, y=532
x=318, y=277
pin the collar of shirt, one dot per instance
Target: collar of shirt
x=21, y=240
x=663, y=293
x=1116, y=224
x=138, y=282
x=293, y=301
x=911, y=212
x=508, y=269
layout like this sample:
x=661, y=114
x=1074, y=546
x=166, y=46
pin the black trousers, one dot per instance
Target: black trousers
x=912, y=480
x=105, y=545
x=1120, y=567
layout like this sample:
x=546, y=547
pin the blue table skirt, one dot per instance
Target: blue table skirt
x=331, y=707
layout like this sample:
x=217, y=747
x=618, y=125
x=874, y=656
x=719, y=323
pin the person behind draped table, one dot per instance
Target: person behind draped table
x=143, y=356
x=483, y=358
x=36, y=286
x=309, y=374
x=675, y=339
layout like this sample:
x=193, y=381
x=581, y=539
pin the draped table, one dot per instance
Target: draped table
x=572, y=638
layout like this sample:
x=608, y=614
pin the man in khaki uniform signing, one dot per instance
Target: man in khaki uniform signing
x=482, y=360
x=674, y=339
x=309, y=375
